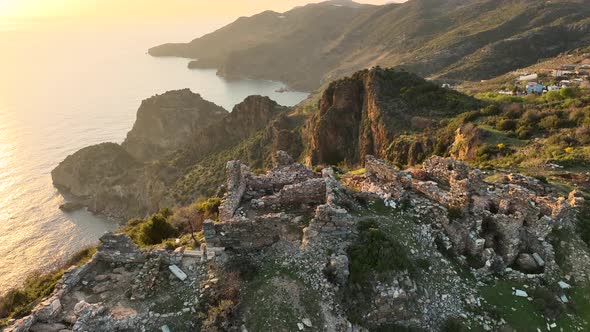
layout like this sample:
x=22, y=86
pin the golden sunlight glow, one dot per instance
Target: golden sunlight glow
x=139, y=8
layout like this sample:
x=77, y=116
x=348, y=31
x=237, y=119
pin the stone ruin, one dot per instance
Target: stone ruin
x=501, y=224
x=504, y=224
x=249, y=217
x=108, y=292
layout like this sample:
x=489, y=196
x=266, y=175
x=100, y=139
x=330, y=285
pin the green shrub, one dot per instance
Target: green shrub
x=454, y=213
x=491, y=110
x=375, y=252
x=155, y=230
x=506, y=124
x=524, y=132
x=566, y=93
x=584, y=223
x=547, y=303
x=210, y=208
x=550, y=123
x=453, y=324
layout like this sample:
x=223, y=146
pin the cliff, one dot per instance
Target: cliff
x=169, y=121
x=364, y=113
x=176, y=135
x=246, y=119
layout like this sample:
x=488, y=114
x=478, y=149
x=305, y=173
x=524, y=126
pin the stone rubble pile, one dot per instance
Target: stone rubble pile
x=503, y=224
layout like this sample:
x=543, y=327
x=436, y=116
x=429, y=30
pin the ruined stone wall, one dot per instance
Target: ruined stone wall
x=261, y=231
x=237, y=174
x=119, y=248
x=442, y=170
x=309, y=192
x=399, y=181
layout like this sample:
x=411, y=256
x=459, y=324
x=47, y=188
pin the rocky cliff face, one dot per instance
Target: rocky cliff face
x=108, y=180
x=167, y=122
x=247, y=118
x=362, y=114
x=173, y=133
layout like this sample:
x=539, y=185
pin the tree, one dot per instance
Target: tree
x=567, y=93
x=189, y=218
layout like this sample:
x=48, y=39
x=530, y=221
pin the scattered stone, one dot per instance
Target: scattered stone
x=178, y=272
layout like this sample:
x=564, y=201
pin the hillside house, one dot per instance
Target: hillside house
x=563, y=73
x=534, y=88
x=568, y=67
x=528, y=77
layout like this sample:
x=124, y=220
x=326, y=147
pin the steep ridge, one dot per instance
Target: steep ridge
x=363, y=114
x=458, y=39
x=173, y=133
x=167, y=122
x=245, y=120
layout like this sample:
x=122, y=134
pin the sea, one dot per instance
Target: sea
x=67, y=85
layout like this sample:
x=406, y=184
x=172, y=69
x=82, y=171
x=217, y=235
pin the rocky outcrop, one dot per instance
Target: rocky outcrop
x=468, y=139
x=168, y=122
x=362, y=114
x=247, y=118
x=173, y=132
x=109, y=181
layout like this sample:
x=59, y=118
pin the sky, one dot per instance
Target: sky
x=145, y=8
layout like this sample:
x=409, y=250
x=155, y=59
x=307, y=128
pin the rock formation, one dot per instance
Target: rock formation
x=168, y=122
x=362, y=114
x=173, y=132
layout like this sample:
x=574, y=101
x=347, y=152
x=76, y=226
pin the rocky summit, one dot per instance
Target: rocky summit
x=298, y=249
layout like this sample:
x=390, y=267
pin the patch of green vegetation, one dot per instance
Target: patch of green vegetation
x=360, y=171
x=524, y=315
x=18, y=303
x=454, y=324
x=375, y=252
x=152, y=231
x=518, y=312
x=584, y=222
x=396, y=328
x=276, y=300
x=454, y=213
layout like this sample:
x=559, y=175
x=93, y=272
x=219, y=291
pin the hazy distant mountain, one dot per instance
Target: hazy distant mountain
x=457, y=39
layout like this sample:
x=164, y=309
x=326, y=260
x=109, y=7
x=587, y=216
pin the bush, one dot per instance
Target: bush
x=155, y=230
x=524, y=132
x=375, y=252
x=550, y=123
x=547, y=303
x=567, y=93
x=453, y=324
x=491, y=110
x=454, y=213
x=210, y=208
x=584, y=223
x=506, y=125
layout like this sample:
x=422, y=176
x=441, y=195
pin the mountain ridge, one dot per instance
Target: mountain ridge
x=457, y=40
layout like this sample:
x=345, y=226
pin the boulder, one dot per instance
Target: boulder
x=526, y=263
